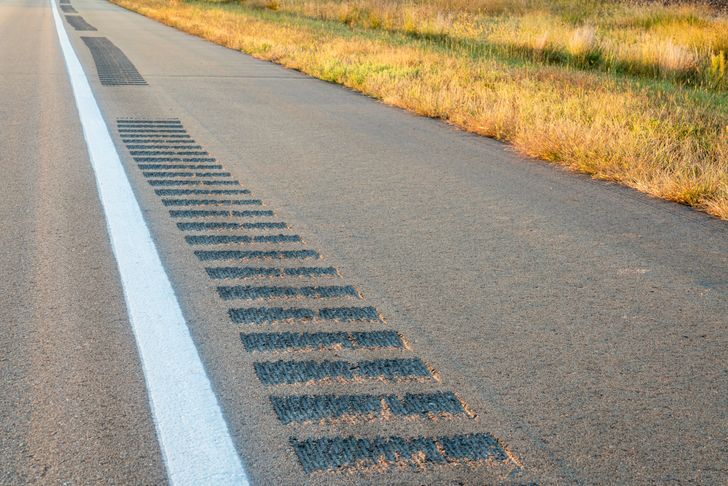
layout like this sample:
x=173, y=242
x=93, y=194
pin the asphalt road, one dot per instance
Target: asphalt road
x=549, y=328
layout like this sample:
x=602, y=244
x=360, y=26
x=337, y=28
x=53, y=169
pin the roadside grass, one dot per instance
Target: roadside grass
x=634, y=93
x=683, y=42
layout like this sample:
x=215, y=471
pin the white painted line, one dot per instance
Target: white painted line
x=192, y=433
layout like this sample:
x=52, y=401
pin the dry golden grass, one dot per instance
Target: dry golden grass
x=660, y=136
x=651, y=39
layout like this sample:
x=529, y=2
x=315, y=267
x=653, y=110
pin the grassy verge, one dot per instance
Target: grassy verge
x=625, y=92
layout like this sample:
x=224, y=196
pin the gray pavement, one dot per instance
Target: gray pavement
x=73, y=407
x=580, y=325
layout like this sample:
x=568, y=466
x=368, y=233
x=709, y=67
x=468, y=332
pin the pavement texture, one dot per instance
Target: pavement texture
x=73, y=407
x=378, y=298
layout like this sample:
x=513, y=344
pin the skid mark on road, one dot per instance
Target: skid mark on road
x=291, y=345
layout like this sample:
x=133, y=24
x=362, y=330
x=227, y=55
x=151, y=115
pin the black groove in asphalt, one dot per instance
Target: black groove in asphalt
x=212, y=255
x=112, y=65
x=269, y=291
x=78, y=23
x=283, y=371
x=251, y=272
x=204, y=192
x=305, y=408
x=351, y=452
x=150, y=144
x=211, y=202
x=222, y=239
x=279, y=341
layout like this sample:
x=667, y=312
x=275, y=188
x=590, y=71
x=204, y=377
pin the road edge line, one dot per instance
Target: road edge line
x=195, y=441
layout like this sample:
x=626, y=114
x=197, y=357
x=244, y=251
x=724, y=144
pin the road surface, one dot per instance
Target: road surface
x=428, y=308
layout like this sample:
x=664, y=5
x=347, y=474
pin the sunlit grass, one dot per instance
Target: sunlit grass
x=536, y=74
x=648, y=39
